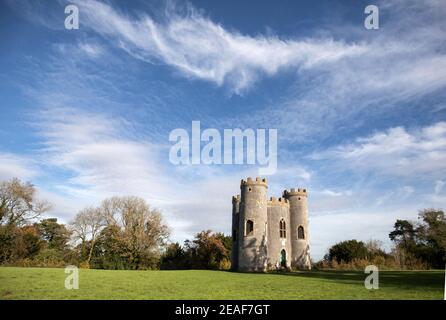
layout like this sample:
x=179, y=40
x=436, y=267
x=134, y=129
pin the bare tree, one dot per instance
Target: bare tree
x=87, y=226
x=18, y=203
x=141, y=230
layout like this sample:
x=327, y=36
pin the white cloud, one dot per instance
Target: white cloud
x=99, y=160
x=332, y=193
x=200, y=48
x=95, y=149
x=405, y=60
x=98, y=156
x=14, y=166
x=91, y=49
x=395, y=152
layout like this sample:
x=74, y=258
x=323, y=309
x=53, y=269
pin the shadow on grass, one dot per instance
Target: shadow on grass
x=401, y=279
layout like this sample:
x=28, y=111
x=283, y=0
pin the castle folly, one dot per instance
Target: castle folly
x=267, y=234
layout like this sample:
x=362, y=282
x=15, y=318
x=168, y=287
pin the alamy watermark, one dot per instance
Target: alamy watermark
x=235, y=146
x=371, y=21
x=372, y=280
x=72, y=280
x=72, y=19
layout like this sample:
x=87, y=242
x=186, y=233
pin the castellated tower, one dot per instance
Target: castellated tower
x=252, y=251
x=269, y=234
x=300, y=244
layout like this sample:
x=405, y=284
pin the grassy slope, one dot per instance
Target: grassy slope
x=45, y=283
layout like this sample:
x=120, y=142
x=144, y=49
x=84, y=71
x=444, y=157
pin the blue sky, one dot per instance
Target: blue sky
x=360, y=114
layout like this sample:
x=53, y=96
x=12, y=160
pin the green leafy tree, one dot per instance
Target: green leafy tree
x=53, y=233
x=423, y=242
x=404, y=234
x=174, y=258
x=110, y=251
x=432, y=237
x=346, y=251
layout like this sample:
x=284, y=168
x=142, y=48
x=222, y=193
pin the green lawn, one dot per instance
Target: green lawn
x=46, y=283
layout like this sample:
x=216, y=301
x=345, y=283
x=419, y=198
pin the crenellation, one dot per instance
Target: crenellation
x=273, y=201
x=256, y=181
x=295, y=192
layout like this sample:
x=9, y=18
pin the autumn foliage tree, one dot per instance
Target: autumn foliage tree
x=208, y=250
x=18, y=207
x=18, y=203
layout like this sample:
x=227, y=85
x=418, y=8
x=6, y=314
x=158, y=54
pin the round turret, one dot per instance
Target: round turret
x=300, y=245
x=253, y=225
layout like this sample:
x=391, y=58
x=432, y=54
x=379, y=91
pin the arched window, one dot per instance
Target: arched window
x=249, y=227
x=282, y=228
x=300, y=233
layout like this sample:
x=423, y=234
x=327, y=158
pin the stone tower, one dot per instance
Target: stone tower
x=279, y=249
x=269, y=234
x=252, y=253
x=300, y=245
x=235, y=231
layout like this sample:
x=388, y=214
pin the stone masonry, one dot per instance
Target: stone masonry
x=269, y=234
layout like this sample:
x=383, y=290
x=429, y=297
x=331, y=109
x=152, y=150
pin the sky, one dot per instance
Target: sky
x=361, y=114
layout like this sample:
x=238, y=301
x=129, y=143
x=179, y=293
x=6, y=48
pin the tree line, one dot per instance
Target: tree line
x=417, y=245
x=121, y=233
x=126, y=233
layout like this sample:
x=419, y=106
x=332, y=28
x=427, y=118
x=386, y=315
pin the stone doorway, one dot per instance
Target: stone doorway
x=283, y=258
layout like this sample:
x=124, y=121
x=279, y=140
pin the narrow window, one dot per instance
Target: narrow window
x=282, y=228
x=300, y=233
x=234, y=235
x=249, y=227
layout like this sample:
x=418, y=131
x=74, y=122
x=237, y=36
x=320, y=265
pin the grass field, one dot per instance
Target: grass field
x=46, y=283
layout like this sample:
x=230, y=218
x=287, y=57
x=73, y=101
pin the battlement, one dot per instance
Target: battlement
x=236, y=198
x=250, y=181
x=273, y=201
x=295, y=192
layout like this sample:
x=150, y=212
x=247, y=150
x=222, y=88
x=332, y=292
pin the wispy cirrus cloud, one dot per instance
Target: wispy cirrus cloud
x=405, y=61
x=91, y=49
x=200, y=48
